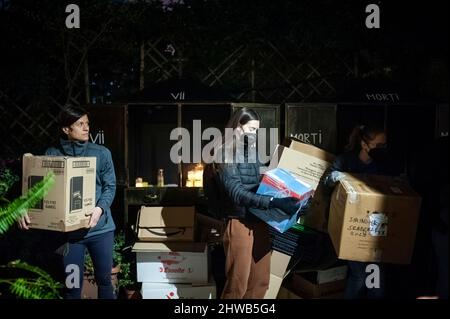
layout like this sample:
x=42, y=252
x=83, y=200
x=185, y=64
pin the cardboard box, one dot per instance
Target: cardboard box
x=305, y=160
x=285, y=293
x=73, y=195
x=178, y=291
x=309, y=163
x=331, y=274
x=306, y=288
x=278, y=265
x=274, y=286
x=374, y=219
x=166, y=223
x=171, y=262
x=326, y=275
x=281, y=183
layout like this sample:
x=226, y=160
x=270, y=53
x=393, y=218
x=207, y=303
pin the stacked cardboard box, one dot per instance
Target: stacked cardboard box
x=170, y=264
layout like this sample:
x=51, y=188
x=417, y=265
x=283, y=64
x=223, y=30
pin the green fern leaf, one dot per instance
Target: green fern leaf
x=16, y=209
x=17, y=264
x=42, y=287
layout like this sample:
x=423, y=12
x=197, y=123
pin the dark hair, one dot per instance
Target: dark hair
x=242, y=116
x=69, y=114
x=362, y=133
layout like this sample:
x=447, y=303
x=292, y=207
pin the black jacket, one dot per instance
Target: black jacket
x=240, y=182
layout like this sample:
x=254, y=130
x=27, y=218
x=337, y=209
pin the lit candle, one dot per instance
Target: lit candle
x=198, y=175
x=198, y=183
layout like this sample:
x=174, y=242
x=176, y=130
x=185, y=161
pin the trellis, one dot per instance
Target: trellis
x=262, y=73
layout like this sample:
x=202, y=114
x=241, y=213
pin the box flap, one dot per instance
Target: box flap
x=312, y=151
x=307, y=166
x=166, y=216
x=279, y=263
x=169, y=247
x=377, y=185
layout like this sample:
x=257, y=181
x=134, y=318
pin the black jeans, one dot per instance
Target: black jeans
x=100, y=248
x=356, y=287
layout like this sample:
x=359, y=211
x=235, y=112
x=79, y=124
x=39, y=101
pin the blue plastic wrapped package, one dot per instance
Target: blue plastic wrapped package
x=280, y=183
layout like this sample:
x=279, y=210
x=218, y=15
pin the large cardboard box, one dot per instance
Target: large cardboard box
x=171, y=262
x=73, y=195
x=152, y=290
x=166, y=223
x=281, y=183
x=278, y=266
x=309, y=163
x=307, y=288
x=374, y=219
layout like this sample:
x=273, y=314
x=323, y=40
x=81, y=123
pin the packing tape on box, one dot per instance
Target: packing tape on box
x=378, y=224
x=352, y=194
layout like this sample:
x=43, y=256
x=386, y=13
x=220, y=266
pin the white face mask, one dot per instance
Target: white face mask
x=248, y=133
x=248, y=139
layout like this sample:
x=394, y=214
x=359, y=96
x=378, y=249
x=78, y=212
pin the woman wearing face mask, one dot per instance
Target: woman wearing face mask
x=367, y=154
x=246, y=238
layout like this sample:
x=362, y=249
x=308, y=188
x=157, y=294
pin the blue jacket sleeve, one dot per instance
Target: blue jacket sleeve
x=108, y=180
x=237, y=192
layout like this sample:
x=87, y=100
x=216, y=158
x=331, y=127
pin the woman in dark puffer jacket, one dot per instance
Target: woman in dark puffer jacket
x=246, y=238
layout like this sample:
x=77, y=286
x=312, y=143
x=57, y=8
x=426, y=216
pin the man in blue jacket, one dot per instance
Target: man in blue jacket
x=98, y=238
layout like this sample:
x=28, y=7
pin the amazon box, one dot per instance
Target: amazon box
x=166, y=223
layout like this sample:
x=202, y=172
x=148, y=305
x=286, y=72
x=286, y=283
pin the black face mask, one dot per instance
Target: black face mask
x=379, y=155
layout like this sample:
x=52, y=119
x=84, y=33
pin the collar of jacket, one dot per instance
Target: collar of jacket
x=73, y=148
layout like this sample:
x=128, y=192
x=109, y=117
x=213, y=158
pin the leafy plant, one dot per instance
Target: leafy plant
x=7, y=180
x=124, y=276
x=17, y=208
x=40, y=285
x=119, y=259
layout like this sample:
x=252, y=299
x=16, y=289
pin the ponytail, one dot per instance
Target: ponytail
x=362, y=133
x=354, y=140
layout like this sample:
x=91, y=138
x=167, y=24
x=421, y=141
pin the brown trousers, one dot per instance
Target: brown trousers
x=248, y=251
